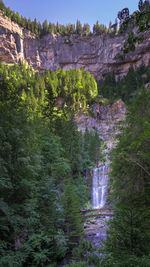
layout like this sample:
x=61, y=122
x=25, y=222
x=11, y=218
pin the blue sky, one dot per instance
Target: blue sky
x=68, y=11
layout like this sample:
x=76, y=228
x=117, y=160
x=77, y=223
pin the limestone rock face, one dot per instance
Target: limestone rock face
x=94, y=53
x=105, y=119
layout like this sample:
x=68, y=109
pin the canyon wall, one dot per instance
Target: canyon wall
x=104, y=119
x=94, y=53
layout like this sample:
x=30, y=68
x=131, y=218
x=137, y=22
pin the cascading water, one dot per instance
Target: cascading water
x=100, y=184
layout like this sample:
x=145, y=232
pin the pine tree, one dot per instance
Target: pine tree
x=45, y=27
x=73, y=222
x=140, y=5
x=79, y=27
x=129, y=231
x=86, y=29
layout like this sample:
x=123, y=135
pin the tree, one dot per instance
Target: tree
x=31, y=221
x=45, y=27
x=110, y=27
x=129, y=230
x=140, y=5
x=79, y=29
x=35, y=26
x=123, y=14
x=116, y=26
x=2, y=6
x=43, y=159
x=86, y=29
x=70, y=28
x=99, y=29
x=73, y=222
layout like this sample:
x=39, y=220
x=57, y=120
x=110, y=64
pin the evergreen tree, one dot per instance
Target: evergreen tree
x=45, y=27
x=43, y=160
x=79, y=29
x=86, y=29
x=73, y=222
x=2, y=6
x=129, y=230
x=140, y=5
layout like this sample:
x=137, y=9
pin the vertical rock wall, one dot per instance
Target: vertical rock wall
x=94, y=53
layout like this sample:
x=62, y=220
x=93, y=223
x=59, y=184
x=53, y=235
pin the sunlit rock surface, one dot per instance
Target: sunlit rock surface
x=94, y=53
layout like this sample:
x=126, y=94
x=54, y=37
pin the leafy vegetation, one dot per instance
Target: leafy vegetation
x=43, y=161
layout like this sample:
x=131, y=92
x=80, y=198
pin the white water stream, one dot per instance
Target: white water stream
x=99, y=188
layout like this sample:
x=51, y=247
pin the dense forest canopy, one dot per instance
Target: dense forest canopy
x=44, y=158
x=43, y=161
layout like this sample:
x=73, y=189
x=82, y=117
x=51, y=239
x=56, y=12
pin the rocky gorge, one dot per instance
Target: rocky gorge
x=94, y=53
x=104, y=118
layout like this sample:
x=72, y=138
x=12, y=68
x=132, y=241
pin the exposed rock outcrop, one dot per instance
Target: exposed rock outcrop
x=105, y=119
x=94, y=53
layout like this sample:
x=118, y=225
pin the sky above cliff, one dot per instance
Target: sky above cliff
x=68, y=11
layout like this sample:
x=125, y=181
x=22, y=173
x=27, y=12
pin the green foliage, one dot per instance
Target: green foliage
x=119, y=57
x=139, y=19
x=51, y=28
x=125, y=88
x=79, y=27
x=125, y=260
x=86, y=29
x=129, y=231
x=76, y=264
x=85, y=255
x=43, y=161
x=129, y=45
x=123, y=15
x=99, y=29
x=73, y=223
x=93, y=145
x=67, y=41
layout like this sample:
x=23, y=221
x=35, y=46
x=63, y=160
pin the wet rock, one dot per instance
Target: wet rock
x=96, y=233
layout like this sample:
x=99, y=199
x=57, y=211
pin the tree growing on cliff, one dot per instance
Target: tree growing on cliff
x=79, y=29
x=2, y=6
x=140, y=5
x=99, y=29
x=123, y=15
x=144, y=6
x=86, y=29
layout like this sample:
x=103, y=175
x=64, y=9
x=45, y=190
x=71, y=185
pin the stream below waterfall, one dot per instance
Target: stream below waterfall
x=95, y=230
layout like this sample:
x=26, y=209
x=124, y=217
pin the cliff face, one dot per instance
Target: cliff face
x=93, y=53
x=105, y=119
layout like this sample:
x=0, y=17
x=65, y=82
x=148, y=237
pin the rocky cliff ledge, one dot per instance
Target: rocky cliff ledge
x=94, y=53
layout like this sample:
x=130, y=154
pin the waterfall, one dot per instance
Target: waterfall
x=99, y=189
